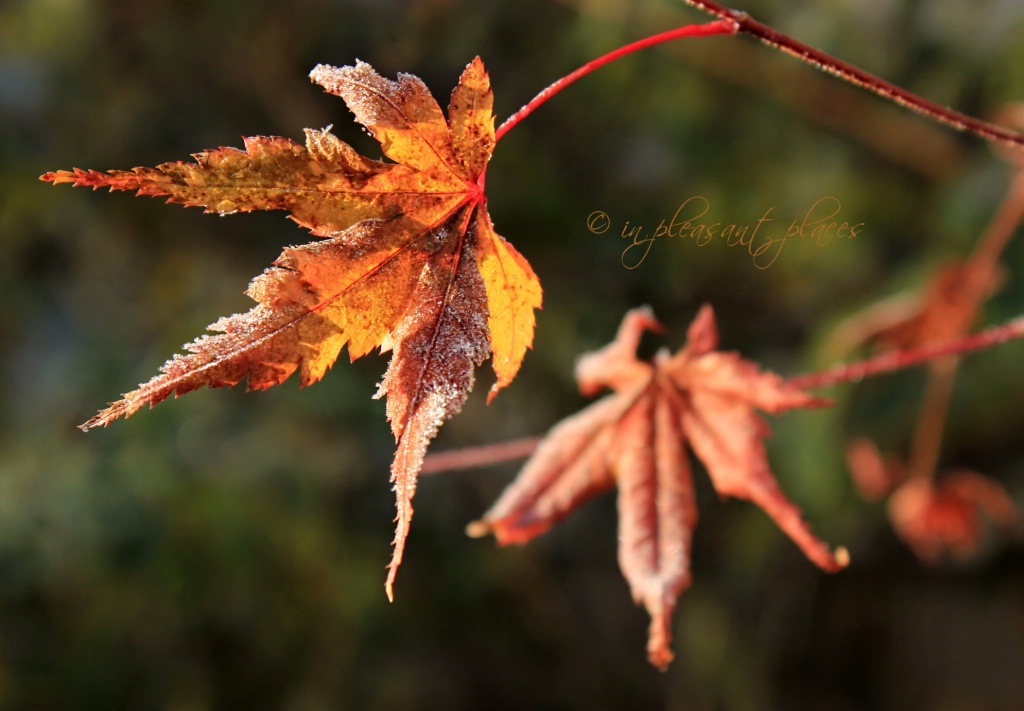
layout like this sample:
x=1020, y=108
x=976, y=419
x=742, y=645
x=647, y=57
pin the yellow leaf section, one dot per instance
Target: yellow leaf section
x=471, y=119
x=513, y=292
x=325, y=185
x=361, y=315
x=362, y=300
x=402, y=115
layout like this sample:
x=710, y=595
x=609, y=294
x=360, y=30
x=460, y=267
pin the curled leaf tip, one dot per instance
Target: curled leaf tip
x=389, y=584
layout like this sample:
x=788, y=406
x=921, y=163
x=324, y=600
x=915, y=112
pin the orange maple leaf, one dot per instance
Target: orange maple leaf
x=636, y=439
x=411, y=261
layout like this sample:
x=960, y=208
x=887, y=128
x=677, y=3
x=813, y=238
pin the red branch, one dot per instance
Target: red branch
x=858, y=77
x=732, y=22
x=897, y=360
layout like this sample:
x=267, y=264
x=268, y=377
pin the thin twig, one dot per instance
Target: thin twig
x=979, y=277
x=720, y=27
x=482, y=456
x=931, y=420
x=897, y=360
x=1001, y=227
x=858, y=77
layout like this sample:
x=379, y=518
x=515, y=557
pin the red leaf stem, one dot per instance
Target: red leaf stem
x=482, y=456
x=719, y=27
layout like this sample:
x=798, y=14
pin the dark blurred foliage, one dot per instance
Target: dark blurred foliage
x=227, y=550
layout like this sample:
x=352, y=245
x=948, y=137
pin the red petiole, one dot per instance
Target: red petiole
x=733, y=22
x=719, y=27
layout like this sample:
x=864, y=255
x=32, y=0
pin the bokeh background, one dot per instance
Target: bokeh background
x=227, y=550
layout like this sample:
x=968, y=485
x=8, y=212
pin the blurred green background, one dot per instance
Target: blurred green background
x=227, y=550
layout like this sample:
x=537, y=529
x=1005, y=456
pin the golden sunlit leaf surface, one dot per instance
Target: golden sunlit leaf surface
x=636, y=440
x=409, y=260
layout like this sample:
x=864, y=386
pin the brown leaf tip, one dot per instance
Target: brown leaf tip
x=702, y=335
x=616, y=366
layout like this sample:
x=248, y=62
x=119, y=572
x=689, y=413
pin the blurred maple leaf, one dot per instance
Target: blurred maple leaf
x=872, y=474
x=934, y=518
x=636, y=439
x=945, y=308
x=944, y=517
x=410, y=263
